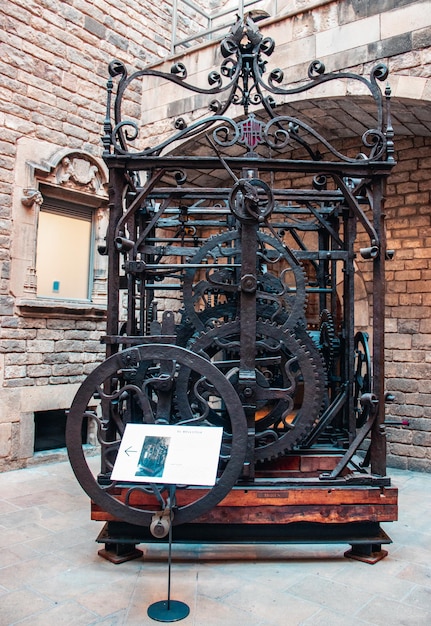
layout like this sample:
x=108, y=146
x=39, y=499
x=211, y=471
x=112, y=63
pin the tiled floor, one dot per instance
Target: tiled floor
x=51, y=575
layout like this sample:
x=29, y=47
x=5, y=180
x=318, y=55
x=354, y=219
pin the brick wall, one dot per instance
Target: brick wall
x=408, y=300
x=408, y=304
x=53, y=69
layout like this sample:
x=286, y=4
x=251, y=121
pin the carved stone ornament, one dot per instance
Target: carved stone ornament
x=31, y=196
x=79, y=173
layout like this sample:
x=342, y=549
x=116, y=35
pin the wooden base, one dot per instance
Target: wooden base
x=279, y=506
x=365, y=538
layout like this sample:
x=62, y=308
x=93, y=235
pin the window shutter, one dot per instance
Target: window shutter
x=68, y=209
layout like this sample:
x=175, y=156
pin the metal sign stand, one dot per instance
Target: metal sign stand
x=169, y=610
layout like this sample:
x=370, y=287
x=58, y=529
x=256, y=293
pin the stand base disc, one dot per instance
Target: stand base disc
x=163, y=611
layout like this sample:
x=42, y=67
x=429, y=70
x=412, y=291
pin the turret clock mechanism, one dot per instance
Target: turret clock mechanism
x=235, y=248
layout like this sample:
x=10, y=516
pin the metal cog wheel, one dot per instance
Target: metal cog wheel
x=209, y=317
x=328, y=342
x=220, y=314
x=290, y=377
x=137, y=385
x=284, y=290
x=362, y=377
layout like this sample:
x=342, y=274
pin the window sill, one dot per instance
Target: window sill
x=59, y=455
x=49, y=307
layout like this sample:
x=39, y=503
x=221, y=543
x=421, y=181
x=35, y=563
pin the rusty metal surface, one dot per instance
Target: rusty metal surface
x=235, y=271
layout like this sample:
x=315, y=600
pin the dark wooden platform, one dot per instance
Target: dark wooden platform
x=278, y=507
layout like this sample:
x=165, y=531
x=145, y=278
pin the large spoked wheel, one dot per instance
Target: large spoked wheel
x=138, y=385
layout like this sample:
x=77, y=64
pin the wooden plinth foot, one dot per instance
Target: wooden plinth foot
x=369, y=553
x=120, y=552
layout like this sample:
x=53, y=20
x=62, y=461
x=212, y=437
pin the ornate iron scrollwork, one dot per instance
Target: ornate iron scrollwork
x=245, y=69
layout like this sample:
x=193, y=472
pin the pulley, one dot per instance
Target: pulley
x=161, y=523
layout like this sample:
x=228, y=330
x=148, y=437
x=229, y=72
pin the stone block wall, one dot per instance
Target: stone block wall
x=50, y=351
x=53, y=72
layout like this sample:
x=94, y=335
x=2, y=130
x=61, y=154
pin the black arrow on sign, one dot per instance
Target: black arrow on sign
x=129, y=451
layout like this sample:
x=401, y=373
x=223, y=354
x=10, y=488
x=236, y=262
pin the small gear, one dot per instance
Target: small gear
x=251, y=200
x=328, y=341
x=214, y=317
x=362, y=377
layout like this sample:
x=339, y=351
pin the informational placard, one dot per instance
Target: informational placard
x=180, y=455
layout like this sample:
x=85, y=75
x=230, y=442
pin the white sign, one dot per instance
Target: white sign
x=177, y=455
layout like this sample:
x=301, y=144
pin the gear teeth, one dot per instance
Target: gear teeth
x=295, y=312
x=297, y=343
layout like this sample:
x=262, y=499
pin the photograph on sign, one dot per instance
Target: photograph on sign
x=181, y=455
x=153, y=456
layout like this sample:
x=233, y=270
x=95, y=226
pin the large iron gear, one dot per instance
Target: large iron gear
x=137, y=385
x=290, y=379
x=284, y=290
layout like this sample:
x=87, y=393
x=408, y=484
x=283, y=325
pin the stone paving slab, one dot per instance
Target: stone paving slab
x=50, y=572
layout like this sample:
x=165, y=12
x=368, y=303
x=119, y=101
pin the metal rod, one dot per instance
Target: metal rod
x=172, y=489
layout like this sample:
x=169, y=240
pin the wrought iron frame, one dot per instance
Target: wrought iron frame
x=235, y=254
